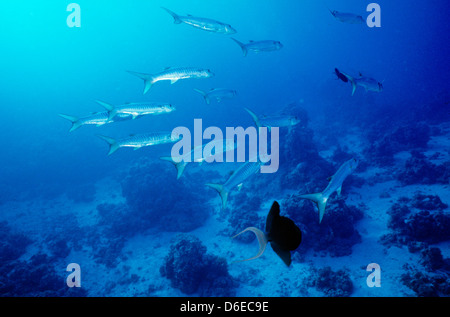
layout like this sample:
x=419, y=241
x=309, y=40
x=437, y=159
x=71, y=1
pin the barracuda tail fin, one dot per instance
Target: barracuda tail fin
x=148, y=80
x=262, y=240
x=320, y=200
x=113, y=145
x=222, y=192
x=254, y=116
x=179, y=166
x=204, y=94
x=176, y=17
x=110, y=108
x=75, y=121
x=242, y=45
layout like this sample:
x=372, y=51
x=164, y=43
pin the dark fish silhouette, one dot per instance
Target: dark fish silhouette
x=341, y=76
x=282, y=233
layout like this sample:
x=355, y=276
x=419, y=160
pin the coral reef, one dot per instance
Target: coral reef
x=335, y=235
x=331, y=283
x=421, y=219
x=191, y=269
x=160, y=200
x=35, y=277
x=426, y=284
x=419, y=170
x=12, y=245
x=386, y=142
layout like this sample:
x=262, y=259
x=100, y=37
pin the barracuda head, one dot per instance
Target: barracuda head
x=229, y=29
x=168, y=108
x=295, y=120
x=353, y=163
x=208, y=73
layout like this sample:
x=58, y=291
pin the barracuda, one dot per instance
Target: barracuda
x=335, y=185
x=137, y=109
x=202, y=23
x=140, y=140
x=173, y=75
x=217, y=93
x=273, y=121
x=236, y=180
x=97, y=119
x=259, y=46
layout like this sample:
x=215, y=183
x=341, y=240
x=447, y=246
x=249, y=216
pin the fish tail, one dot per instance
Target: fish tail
x=180, y=166
x=352, y=81
x=176, y=18
x=320, y=200
x=254, y=116
x=262, y=241
x=113, y=145
x=222, y=192
x=75, y=121
x=204, y=94
x=149, y=80
x=112, y=111
x=242, y=45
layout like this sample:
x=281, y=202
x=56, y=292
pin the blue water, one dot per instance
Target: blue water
x=53, y=181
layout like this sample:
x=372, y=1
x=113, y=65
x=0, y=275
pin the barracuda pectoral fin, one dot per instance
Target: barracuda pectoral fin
x=339, y=190
x=173, y=81
x=239, y=187
x=262, y=241
x=320, y=201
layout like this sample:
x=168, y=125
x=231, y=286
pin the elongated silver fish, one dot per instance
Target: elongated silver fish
x=140, y=140
x=137, y=109
x=347, y=17
x=173, y=75
x=335, y=185
x=259, y=46
x=273, y=121
x=202, y=23
x=217, y=93
x=236, y=180
x=182, y=161
x=97, y=119
x=368, y=83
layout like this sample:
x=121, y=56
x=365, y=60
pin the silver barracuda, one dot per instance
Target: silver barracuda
x=368, y=83
x=217, y=93
x=236, y=180
x=182, y=161
x=137, y=109
x=202, y=23
x=173, y=75
x=140, y=140
x=259, y=46
x=335, y=185
x=273, y=121
x=347, y=17
x=97, y=119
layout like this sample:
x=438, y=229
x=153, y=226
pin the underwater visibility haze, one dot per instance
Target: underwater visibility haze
x=92, y=91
